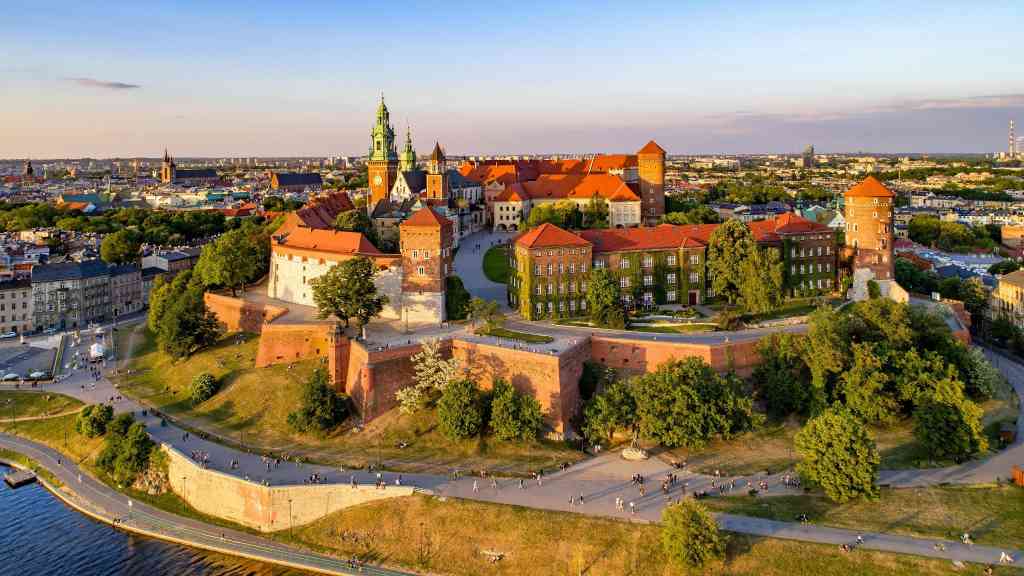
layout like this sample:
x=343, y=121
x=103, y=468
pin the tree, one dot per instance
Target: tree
x=486, y=311
x=321, y=408
x=974, y=296
x=121, y=247
x=126, y=451
x=595, y=215
x=459, y=411
x=514, y=416
x=203, y=387
x=874, y=290
x=948, y=425
x=695, y=214
x=612, y=410
x=456, y=299
x=690, y=535
x=1004, y=267
x=839, y=455
x=730, y=246
x=782, y=377
x=93, y=419
x=760, y=287
x=232, y=260
x=981, y=379
x=183, y=323
x=685, y=403
x=347, y=291
x=603, y=300
x=867, y=388
x=433, y=373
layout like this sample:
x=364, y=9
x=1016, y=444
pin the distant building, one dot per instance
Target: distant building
x=16, y=306
x=70, y=294
x=1007, y=299
x=808, y=157
x=296, y=183
x=170, y=174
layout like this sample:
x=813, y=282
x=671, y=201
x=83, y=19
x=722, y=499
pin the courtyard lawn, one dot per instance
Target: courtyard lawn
x=673, y=328
x=455, y=536
x=993, y=515
x=516, y=335
x=252, y=407
x=32, y=404
x=496, y=264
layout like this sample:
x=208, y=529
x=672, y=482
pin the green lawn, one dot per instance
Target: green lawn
x=515, y=335
x=992, y=515
x=24, y=404
x=673, y=328
x=496, y=264
x=451, y=536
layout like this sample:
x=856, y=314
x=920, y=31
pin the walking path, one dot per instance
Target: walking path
x=97, y=500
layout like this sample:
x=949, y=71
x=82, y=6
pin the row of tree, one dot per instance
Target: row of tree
x=952, y=236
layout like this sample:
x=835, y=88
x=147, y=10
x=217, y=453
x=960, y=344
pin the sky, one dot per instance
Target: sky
x=303, y=78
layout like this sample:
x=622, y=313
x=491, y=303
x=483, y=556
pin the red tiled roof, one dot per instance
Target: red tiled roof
x=579, y=186
x=426, y=217
x=549, y=235
x=332, y=241
x=661, y=237
x=512, y=193
x=870, y=187
x=651, y=148
x=782, y=225
x=321, y=211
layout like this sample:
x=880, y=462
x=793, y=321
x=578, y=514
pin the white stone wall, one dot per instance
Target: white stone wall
x=423, y=307
x=290, y=280
x=625, y=214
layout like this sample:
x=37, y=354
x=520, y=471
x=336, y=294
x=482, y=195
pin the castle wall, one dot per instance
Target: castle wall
x=238, y=314
x=642, y=356
x=285, y=343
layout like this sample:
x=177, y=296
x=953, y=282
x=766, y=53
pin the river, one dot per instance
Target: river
x=41, y=536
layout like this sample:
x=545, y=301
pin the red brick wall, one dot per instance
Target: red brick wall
x=284, y=343
x=1018, y=475
x=238, y=314
x=645, y=356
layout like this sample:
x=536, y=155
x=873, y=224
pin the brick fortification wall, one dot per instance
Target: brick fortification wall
x=283, y=343
x=264, y=508
x=373, y=376
x=641, y=356
x=238, y=314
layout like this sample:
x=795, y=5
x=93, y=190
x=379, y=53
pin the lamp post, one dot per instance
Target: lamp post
x=289, y=517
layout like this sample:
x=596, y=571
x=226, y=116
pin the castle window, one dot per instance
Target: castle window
x=671, y=260
x=793, y=271
x=420, y=271
x=670, y=295
x=550, y=268
x=793, y=252
x=540, y=290
x=672, y=278
x=572, y=305
x=583, y=304
x=415, y=254
x=426, y=254
x=694, y=278
x=572, y=267
x=624, y=282
x=648, y=280
x=624, y=263
x=540, y=307
x=572, y=287
x=694, y=259
x=551, y=289
x=648, y=261
x=539, y=271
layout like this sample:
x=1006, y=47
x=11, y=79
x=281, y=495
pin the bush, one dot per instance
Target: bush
x=93, y=419
x=838, y=454
x=459, y=411
x=689, y=534
x=321, y=408
x=514, y=416
x=203, y=387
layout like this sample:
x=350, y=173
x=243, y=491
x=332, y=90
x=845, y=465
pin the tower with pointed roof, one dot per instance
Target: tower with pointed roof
x=426, y=239
x=868, y=211
x=167, y=168
x=29, y=171
x=407, y=160
x=382, y=164
x=651, y=171
x=438, y=187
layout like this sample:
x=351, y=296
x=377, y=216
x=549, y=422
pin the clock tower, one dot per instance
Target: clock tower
x=382, y=165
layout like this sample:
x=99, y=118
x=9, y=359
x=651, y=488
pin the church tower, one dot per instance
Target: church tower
x=382, y=165
x=651, y=170
x=29, y=171
x=437, y=175
x=407, y=161
x=167, y=169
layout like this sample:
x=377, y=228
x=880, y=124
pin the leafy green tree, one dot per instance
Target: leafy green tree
x=232, y=260
x=486, y=311
x=186, y=325
x=782, y=377
x=459, y=411
x=456, y=299
x=612, y=410
x=839, y=455
x=690, y=535
x=514, y=416
x=1004, y=267
x=949, y=425
x=916, y=375
x=603, y=300
x=730, y=246
x=686, y=403
x=93, y=419
x=695, y=214
x=121, y=247
x=981, y=380
x=874, y=290
x=975, y=297
x=433, y=373
x=126, y=452
x=867, y=388
x=595, y=215
x=202, y=388
x=321, y=407
x=594, y=376
x=760, y=287
x=347, y=291
x=912, y=278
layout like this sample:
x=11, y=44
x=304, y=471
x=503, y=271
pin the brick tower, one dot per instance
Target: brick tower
x=868, y=212
x=651, y=170
x=437, y=175
x=426, y=244
x=167, y=168
x=382, y=164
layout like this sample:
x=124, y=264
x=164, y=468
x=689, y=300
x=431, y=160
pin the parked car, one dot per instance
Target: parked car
x=11, y=376
x=9, y=335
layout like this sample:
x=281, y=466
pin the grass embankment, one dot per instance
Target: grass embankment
x=496, y=264
x=673, y=328
x=33, y=404
x=253, y=405
x=516, y=335
x=450, y=537
x=993, y=515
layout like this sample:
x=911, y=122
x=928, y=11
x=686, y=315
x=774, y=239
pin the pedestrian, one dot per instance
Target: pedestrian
x=632, y=507
x=1005, y=558
x=476, y=487
x=522, y=484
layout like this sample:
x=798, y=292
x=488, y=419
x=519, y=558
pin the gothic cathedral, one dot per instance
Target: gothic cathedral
x=382, y=165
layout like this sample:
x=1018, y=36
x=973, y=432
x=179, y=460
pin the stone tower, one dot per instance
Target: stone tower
x=426, y=240
x=869, y=234
x=407, y=160
x=29, y=172
x=437, y=175
x=651, y=170
x=167, y=169
x=382, y=165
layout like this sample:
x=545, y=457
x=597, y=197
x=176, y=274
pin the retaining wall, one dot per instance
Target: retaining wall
x=264, y=508
x=239, y=314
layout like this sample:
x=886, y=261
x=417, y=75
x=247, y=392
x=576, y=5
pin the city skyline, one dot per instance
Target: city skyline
x=223, y=81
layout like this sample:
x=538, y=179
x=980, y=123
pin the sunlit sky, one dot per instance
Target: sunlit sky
x=303, y=78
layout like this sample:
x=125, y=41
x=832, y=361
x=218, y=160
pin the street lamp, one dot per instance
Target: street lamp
x=289, y=517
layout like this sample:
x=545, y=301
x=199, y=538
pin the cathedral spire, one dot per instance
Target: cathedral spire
x=407, y=160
